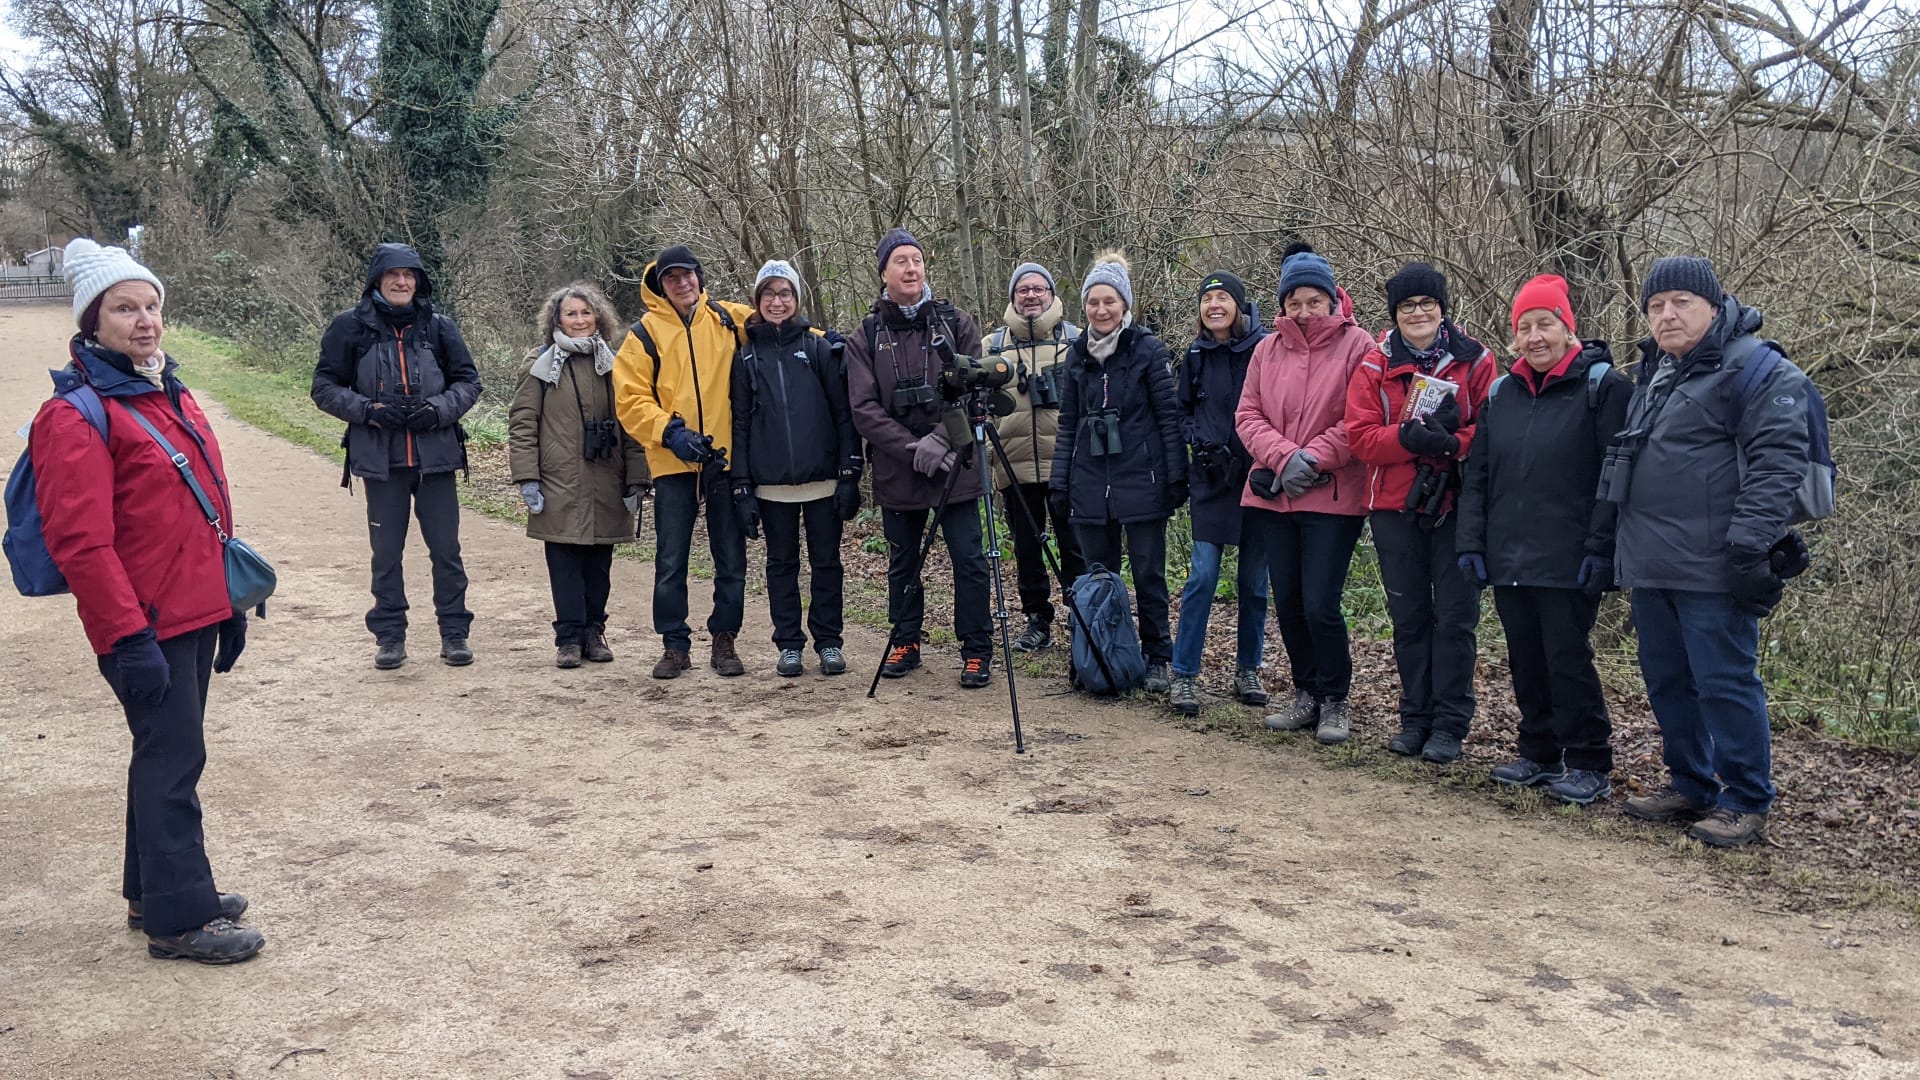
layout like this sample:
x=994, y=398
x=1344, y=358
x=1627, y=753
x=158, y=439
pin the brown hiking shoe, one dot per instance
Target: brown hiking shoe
x=672, y=663
x=1668, y=807
x=725, y=660
x=1730, y=829
x=595, y=650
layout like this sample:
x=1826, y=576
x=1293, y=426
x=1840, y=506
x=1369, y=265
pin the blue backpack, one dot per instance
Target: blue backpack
x=1814, y=499
x=1106, y=647
x=34, y=572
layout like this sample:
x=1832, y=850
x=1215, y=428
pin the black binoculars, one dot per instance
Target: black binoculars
x=914, y=393
x=1101, y=432
x=1429, y=492
x=1041, y=388
x=599, y=439
x=1616, y=473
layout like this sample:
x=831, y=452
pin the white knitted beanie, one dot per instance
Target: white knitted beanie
x=777, y=268
x=92, y=269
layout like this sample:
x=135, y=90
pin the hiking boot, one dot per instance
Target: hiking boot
x=901, y=659
x=595, y=650
x=1247, y=689
x=1159, y=679
x=1669, y=807
x=567, y=656
x=1184, y=695
x=1409, y=742
x=977, y=673
x=454, y=653
x=1726, y=828
x=390, y=655
x=1304, y=714
x=1443, y=748
x=672, y=663
x=1526, y=772
x=1581, y=787
x=232, y=906
x=221, y=941
x=789, y=664
x=1038, y=635
x=833, y=661
x=1334, y=726
x=725, y=660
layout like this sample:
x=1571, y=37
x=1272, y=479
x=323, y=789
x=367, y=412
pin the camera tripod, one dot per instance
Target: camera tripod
x=987, y=438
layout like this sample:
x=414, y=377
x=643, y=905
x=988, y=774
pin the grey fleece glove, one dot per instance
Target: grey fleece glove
x=1298, y=475
x=531, y=494
x=932, y=453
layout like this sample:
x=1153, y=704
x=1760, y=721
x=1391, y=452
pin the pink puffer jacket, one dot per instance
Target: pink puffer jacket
x=1295, y=398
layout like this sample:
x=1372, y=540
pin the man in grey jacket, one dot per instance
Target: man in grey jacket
x=1706, y=489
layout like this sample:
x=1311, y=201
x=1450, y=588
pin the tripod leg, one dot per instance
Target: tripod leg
x=919, y=566
x=1000, y=615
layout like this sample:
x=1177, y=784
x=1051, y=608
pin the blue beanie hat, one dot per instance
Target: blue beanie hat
x=1305, y=266
x=895, y=238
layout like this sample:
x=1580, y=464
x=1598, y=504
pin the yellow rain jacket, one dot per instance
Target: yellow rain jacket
x=692, y=374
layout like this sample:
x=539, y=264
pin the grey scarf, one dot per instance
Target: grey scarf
x=1101, y=347
x=546, y=366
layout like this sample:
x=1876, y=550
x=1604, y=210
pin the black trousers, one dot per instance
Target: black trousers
x=1550, y=650
x=581, y=576
x=1435, y=611
x=1307, y=559
x=781, y=523
x=1146, y=550
x=166, y=861
x=435, y=500
x=678, y=499
x=907, y=600
x=1036, y=588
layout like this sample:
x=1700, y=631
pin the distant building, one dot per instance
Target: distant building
x=47, y=261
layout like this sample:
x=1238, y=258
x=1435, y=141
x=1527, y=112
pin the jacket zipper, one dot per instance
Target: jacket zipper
x=693, y=362
x=400, y=342
x=786, y=406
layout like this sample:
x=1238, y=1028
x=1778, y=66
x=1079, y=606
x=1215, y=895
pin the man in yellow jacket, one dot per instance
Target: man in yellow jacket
x=672, y=387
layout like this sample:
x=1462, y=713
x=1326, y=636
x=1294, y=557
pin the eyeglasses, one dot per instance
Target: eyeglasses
x=1426, y=305
x=776, y=294
x=1032, y=290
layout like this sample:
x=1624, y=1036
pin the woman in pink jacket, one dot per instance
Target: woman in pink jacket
x=1307, y=488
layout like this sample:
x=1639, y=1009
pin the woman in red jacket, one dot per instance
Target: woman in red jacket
x=148, y=577
x=1413, y=476
x=1307, y=489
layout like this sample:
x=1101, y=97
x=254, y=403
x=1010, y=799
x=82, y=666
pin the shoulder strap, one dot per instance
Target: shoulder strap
x=92, y=409
x=869, y=329
x=1596, y=376
x=726, y=320
x=1757, y=359
x=639, y=330
x=1494, y=390
x=1071, y=334
x=997, y=340
x=181, y=463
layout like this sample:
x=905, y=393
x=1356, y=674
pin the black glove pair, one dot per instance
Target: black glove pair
x=846, y=494
x=397, y=414
x=1433, y=435
x=1211, y=460
x=1752, y=582
x=746, y=511
x=1265, y=483
x=1060, y=507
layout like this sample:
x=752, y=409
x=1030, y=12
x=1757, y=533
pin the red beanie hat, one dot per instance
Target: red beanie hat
x=1548, y=292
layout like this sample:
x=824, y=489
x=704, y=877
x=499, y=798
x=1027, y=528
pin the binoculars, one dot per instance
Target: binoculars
x=1100, y=430
x=914, y=393
x=599, y=439
x=1041, y=388
x=1429, y=492
x=1616, y=472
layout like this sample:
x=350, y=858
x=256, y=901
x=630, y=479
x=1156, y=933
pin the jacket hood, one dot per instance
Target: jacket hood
x=1040, y=326
x=656, y=301
x=1320, y=330
x=396, y=257
x=1463, y=348
x=111, y=373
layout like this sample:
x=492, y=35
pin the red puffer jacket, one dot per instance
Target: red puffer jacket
x=1376, y=395
x=120, y=523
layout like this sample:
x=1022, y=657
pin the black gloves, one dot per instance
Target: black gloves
x=1427, y=438
x=1789, y=556
x=233, y=642
x=746, y=510
x=385, y=417
x=1060, y=507
x=1177, y=494
x=1265, y=483
x=1211, y=460
x=1751, y=581
x=142, y=668
x=1446, y=417
x=846, y=495
x=1596, y=575
x=424, y=417
x=684, y=442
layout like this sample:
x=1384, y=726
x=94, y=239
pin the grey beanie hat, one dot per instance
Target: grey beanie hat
x=1113, y=274
x=778, y=268
x=1684, y=273
x=1023, y=270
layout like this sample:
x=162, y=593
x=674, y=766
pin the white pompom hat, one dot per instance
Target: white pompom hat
x=93, y=269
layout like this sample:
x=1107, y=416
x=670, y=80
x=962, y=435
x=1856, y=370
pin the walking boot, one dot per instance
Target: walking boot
x=1247, y=689
x=1305, y=713
x=977, y=673
x=1581, y=787
x=221, y=941
x=1443, y=748
x=595, y=650
x=567, y=656
x=672, y=663
x=725, y=660
x=901, y=659
x=1409, y=742
x=232, y=906
x=454, y=651
x=1526, y=772
x=1184, y=695
x=1334, y=726
x=1726, y=828
x=1038, y=635
x=1668, y=807
x=833, y=661
x=390, y=655
x=789, y=665
x=1159, y=679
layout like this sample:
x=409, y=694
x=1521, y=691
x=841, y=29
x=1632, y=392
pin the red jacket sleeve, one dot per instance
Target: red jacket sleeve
x=1479, y=383
x=73, y=478
x=1372, y=439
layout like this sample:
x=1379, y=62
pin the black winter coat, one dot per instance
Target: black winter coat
x=1207, y=384
x=373, y=349
x=1527, y=500
x=791, y=422
x=1139, y=482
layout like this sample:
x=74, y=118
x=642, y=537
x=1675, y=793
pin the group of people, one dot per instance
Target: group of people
x=1551, y=482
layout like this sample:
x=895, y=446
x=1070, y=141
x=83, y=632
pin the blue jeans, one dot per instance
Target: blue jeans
x=1700, y=659
x=676, y=503
x=1196, y=601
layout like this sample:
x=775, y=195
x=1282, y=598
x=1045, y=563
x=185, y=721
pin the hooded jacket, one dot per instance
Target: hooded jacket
x=791, y=421
x=119, y=521
x=1138, y=483
x=1036, y=347
x=1377, y=394
x=1295, y=399
x=889, y=347
x=695, y=379
x=1207, y=381
x=546, y=444
x=1697, y=488
x=372, y=350
x=1527, y=500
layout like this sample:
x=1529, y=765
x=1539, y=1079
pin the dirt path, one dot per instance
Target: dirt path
x=511, y=870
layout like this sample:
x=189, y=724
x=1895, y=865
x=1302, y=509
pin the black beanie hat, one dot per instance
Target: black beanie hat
x=1227, y=282
x=1416, y=279
x=1685, y=273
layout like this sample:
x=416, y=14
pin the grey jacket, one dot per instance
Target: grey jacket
x=1697, y=488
